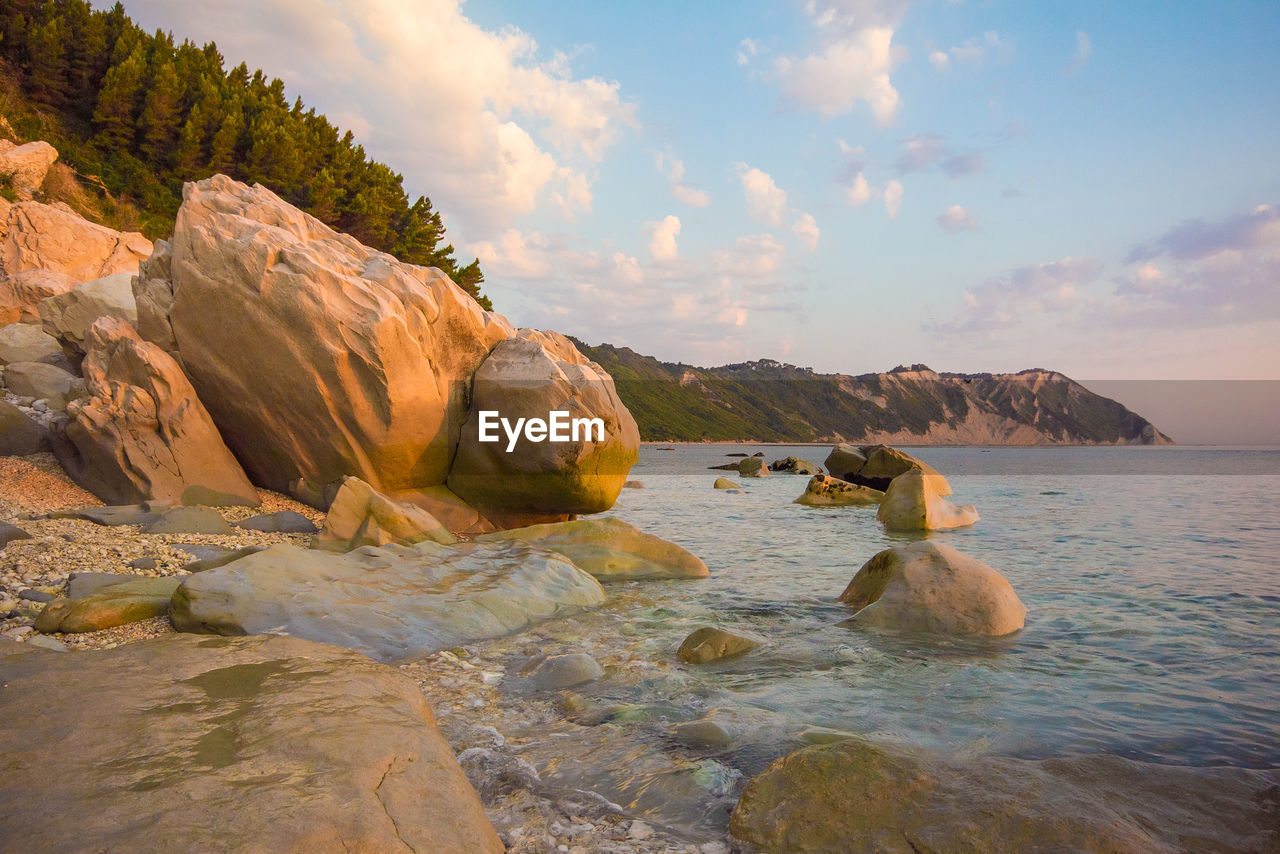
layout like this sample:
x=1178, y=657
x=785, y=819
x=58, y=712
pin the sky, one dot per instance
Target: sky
x=848, y=185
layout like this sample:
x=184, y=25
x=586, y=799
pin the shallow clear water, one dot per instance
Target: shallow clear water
x=1152, y=582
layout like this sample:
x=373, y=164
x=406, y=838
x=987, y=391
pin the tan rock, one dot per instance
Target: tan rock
x=753, y=467
x=876, y=465
x=142, y=434
x=248, y=745
x=456, y=515
x=68, y=316
x=43, y=381
x=43, y=237
x=913, y=503
x=19, y=435
x=709, y=644
x=930, y=587
x=22, y=292
x=795, y=465
x=317, y=357
x=391, y=603
x=360, y=516
x=153, y=297
x=113, y=605
x=531, y=376
x=826, y=491
x=853, y=796
x=725, y=483
x=609, y=549
x=26, y=165
x=25, y=342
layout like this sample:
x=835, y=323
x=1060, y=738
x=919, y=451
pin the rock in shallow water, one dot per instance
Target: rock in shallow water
x=609, y=549
x=825, y=491
x=851, y=796
x=711, y=644
x=913, y=503
x=565, y=671
x=389, y=603
x=725, y=483
x=228, y=744
x=933, y=588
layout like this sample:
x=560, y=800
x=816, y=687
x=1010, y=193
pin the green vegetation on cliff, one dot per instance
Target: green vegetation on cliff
x=137, y=114
x=768, y=401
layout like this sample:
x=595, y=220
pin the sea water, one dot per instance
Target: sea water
x=1151, y=578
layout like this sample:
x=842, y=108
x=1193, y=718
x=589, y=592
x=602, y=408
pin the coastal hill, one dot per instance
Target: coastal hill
x=768, y=401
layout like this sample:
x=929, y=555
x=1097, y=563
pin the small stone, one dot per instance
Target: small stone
x=564, y=671
x=190, y=520
x=283, y=522
x=9, y=533
x=143, y=563
x=639, y=830
x=711, y=644
x=34, y=596
x=46, y=642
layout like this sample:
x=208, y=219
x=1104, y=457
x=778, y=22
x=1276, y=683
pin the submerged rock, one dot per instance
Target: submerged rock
x=389, y=603
x=565, y=671
x=795, y=465
x=753, y=467
x=141, y=434
x=852, y=796
x=826, y=491
x=361, y=516
x=709, y=644
x=931, y=587
x=913, y=503
x=725, y=483
x=609, y=549
x=232, y=744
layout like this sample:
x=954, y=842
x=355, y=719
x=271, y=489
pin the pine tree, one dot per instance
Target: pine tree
x=47, y=62
x=159, y=124
x=114, y=118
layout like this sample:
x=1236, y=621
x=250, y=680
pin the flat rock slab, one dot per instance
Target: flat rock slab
x=190, y=520
x=110, y=516
x=390, y=603
x=9, y=533
x=282, y=522
x=220, y=557
x=609, y=549
x=853, y=796
x=130, y=601
x=246, y=745
x=82, y=584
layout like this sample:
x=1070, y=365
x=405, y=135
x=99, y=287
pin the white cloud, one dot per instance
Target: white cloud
x=893, y=199
x=852, y=61
x=514, y=255
x=673, y=169
x=479, y=118
x=975, y=51
x=940, y=60
x=806, y=231
x=752, y=256
x=1084, y=50
x=747, y=49
x=859, y=192
x=1013, y=298
x=662, y=238
x=765, y=200
x=956, y=218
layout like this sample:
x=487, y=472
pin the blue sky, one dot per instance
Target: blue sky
x=844, y=184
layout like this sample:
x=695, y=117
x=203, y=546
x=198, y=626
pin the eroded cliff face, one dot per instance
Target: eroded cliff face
x=772, y=402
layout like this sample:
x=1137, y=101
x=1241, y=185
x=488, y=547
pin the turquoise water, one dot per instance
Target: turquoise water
x=1151, y=576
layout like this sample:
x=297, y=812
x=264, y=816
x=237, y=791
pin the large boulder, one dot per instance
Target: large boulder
x=361, y=516
x=19, y=435
x=142, y=433
x=44, y=237
x=876, y=465
x=795, y=465
x=25, y=342
x=529, y=377
x=933, y=588
x=753, y=467
x=317, y=357
x=609, y=549
x=69, y=316
x=22, y=292
x=390, y=603
x=912, y=503
x=247, y=745
x=826, y=491
x=43, y=381
x=852, y=796
x=26, y=165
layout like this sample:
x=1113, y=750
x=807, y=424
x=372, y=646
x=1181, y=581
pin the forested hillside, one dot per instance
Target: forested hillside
x=137, y=115
x=767, y=401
